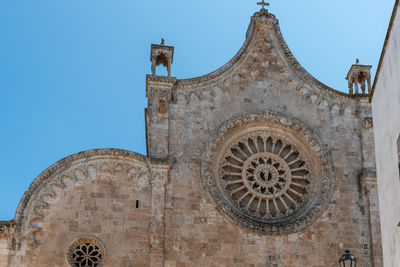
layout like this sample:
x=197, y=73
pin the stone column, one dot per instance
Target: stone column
x=159, y=178
x=369, y=189
x=369, y=83
x=356, y=84
x=351, y=91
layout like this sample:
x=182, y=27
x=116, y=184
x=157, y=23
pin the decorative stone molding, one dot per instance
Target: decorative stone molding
x=367, y=123
x=161, y=79
x=260, y=19
x=86, y=251
x=81, y=166
x=263, y=49
x=267, y=172
x=189, y=96
x=219, y=72
x=157, y=90
x=5, y=225
x=338, y=107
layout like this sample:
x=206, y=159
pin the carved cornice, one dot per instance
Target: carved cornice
x=158, y=82
x=164, y=79
x=4, y=225
x=217, y=73
x=271, y=22
x=304, y=74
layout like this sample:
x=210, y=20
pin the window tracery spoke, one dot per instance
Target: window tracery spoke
x=86, y=252
x=265, y=176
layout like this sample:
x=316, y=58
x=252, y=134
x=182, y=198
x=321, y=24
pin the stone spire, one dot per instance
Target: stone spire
x=359, y=76
x=161, y=55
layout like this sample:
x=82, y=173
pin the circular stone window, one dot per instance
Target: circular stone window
x=268, y=173
x=86, y=251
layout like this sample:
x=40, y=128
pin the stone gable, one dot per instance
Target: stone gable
x=255, y=164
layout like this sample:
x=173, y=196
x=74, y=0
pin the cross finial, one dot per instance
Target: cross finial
x=262, y=4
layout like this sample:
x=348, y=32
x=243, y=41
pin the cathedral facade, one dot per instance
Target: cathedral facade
x=255, y=164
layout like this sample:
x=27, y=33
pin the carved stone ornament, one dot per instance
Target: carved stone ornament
x=367, y=123
x=268, y=173
x=86, y=251
x=84, y=166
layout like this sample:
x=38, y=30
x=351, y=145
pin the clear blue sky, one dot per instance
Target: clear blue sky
x=72, y=72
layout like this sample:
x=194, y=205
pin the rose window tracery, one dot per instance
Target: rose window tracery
x=265, y=176
x=86, y=252
x=267, y=172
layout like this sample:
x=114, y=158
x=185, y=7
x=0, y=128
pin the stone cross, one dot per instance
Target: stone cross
x=263, y=4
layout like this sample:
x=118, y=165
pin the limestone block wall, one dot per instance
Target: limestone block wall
x=4, y=251
x=264, y=76
x=161, y=211
x=386, y=113
x=197, y=233
x=7, y=242
x=102, y=195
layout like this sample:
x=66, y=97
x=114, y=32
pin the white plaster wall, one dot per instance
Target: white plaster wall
x=386, y=114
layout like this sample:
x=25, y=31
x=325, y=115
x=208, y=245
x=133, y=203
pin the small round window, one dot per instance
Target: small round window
x=86, y=251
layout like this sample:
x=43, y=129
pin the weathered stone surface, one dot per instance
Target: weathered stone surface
x=265, y=76
x=163, y=210
x=106, y=194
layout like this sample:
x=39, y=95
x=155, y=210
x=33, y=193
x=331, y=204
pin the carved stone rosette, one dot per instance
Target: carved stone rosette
x=86, y=251
x=268, y=173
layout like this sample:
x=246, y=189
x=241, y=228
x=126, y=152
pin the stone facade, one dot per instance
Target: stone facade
x=386, y=111
x=306, y=189
x=105, y=194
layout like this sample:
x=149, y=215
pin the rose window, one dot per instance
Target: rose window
x=86, y=252
x=267, y=172
x=265, y=176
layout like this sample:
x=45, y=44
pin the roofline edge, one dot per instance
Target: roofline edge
x=388, y=34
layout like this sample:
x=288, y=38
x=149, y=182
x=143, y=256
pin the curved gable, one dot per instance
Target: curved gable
x=102, y=194
x=263, y=55
x=88, y=165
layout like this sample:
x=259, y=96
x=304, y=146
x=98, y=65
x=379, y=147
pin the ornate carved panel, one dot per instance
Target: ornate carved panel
x=86, y=251
x=268, y=173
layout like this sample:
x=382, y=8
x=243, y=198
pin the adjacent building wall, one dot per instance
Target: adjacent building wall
x=386, y=114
